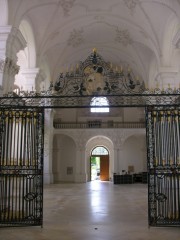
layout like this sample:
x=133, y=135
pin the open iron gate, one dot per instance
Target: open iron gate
x=21, y=167
x=163, y=152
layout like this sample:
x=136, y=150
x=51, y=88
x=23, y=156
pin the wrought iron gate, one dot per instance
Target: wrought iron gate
x=21, y=138
x=163, y=145
x=21, y=167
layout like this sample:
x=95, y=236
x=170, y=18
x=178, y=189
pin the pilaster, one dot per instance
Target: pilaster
x=80, y=171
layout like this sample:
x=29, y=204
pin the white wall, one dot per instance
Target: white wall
x=64, y=157
x=134, y=114
x=72, y=148
x=116, y=115
x=134, y=154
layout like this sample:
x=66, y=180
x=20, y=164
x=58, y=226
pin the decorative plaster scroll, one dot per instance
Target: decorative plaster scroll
x=123, y=37
x=76, y=38
x=66, y=6
x=131, y=4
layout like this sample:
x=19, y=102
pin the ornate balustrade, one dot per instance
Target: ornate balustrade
x=98, y=124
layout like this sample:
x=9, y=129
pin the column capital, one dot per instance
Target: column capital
x=166, y=76
x=29, y=75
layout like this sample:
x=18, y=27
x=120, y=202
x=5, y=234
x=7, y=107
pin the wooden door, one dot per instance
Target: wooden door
x=104, y=168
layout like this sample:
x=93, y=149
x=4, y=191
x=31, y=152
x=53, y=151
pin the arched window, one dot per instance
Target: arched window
x=100, y=102
x=100, y=151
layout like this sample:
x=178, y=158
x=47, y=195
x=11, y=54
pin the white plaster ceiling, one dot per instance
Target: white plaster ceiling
x=66, y=31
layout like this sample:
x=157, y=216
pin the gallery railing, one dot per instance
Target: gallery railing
x=98, y=124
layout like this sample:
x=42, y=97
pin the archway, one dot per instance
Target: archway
x=107, y=144
x=99, y=162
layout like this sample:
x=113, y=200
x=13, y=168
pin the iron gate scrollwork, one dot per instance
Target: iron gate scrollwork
x=163, y=152
x=21, y=167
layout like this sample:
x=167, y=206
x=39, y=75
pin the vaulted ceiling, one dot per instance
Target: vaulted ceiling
x=139, y=33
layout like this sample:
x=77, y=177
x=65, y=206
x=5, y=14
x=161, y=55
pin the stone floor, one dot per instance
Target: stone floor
x=93, y=211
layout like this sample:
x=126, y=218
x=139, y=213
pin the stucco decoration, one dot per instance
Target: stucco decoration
x=66, y=6
x=76, y=38
x=131, y=4
x=123, y=37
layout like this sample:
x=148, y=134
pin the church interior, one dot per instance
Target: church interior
x=89, y=119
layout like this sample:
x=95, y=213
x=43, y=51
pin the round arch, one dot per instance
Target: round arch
x=99, y=141
x=30, y=51
x=100, y=150
x=26, y=57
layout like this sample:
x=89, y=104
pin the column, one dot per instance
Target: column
x=121, y=158
x=80, y=171
x=118, y=158
x=118, y=140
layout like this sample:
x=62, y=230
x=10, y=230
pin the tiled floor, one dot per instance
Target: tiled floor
x=93, y=211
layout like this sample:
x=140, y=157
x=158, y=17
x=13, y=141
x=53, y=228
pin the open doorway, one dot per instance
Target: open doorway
x=99, y=163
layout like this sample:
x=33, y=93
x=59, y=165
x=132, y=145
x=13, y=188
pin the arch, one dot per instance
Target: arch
x=104, y=141
x=3, y=12
x=30, y=51
x=26, y=57
x=100, y=150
